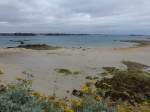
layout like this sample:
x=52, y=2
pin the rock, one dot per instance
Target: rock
x=140, y=43
x=38, y=47
x=77, y=93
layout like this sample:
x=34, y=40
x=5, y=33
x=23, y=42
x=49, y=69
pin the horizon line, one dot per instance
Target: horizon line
x=71, y=33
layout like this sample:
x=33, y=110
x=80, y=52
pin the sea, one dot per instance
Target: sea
x=72, y=41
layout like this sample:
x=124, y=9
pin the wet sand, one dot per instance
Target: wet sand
x=42, y=65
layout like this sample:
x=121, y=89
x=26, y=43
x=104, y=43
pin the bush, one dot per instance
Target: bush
x=91, y=105
x=18, y=101
x=18, y=98
x=132, y=85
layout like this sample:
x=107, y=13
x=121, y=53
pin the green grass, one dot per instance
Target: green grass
x=76, y=72
x=67, y=71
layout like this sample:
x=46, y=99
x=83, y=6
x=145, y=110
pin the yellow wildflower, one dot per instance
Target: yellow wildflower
x=68, y=110
x=85, y=89
x=76, y=103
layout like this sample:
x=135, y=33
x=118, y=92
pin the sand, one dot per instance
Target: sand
x=42, y=65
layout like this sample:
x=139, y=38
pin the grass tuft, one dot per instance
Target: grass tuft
x=1, y=72
x=67, y=71
x=64, y=71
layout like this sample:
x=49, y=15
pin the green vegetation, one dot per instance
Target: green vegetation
x=19, y=97
x=131, y=85
x=63, y=71
x=134, y=65
x=91, y=104
x=1, y=72
x=76, y=72
x=91, y=78
x=110, y=69
x=103, y=74
x=127, y=91
x=67, y=71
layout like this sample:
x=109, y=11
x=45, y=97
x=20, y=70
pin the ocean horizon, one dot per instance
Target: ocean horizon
x=69, y=41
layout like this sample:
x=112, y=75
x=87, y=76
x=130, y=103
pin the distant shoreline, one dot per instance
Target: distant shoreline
x=60, y=34
x=35, y=34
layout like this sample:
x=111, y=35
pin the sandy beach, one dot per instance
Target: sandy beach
x=43, y=64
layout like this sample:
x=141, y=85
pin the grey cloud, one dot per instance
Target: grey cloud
x=75, y=16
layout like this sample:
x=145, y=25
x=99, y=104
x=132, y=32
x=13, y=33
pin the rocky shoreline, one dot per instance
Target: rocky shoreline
x=140, y=43
x=37, y=47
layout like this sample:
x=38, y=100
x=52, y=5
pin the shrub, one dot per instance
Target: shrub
x=18, y=98
x=132, y=85
x=90, y=104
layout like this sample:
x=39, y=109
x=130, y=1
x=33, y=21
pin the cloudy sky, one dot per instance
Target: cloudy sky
x=75, y=16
